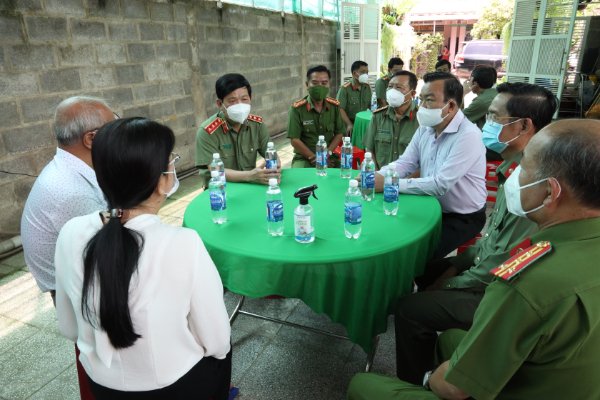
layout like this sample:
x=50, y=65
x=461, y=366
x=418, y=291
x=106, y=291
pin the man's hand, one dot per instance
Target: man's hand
x=262, y=175
x=439, y=282
x=333, y=161
x=349, y=128
x=312, y=159
x=442, y=388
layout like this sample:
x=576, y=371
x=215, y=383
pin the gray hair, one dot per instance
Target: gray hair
x=573, y=155
x=77, y=115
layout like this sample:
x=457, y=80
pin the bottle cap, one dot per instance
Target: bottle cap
x=273, y=182
x=214, y=174
x=353, y=183
x=270, y=144
x=216, y=155
x=368, y=154
x=321, y=137
x=346, y=139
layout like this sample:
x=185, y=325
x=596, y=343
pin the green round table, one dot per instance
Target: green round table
x=361, y=123
x=354, y=282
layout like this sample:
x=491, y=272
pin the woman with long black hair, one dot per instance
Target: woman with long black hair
x=142, y=299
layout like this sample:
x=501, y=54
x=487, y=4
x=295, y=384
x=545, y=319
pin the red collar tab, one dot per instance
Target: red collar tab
x=511, y=168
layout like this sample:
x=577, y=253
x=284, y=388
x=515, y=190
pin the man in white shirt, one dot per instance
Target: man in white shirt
x=66, y=187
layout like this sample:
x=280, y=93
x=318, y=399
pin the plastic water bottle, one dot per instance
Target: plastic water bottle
x=367, y=177
x=271, y=156
x=218, y=202
x=373, y=102
x=274, y=209
x=390, y=192
x=321, y=153
x=353, y=211
x=217, y=165
x=346, y=159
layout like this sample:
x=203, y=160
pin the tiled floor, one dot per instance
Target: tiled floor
x=269, y=361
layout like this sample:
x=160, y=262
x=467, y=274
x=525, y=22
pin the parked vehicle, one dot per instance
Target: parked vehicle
x=479, y=52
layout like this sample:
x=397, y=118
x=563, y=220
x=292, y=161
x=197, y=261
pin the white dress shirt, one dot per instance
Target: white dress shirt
x=66, y=188
x=452, y=166
x=175, y=301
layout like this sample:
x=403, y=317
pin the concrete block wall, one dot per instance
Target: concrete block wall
x=152, y=58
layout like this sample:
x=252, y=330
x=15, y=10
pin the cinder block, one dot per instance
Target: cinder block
x=171, y=89
x=45, y=29
x=146, y=92
x=9, y=115
x=111, y=54
x=152, y=31
x=22, y=5
x=27, y=138
x=184, y=105
x=214, y=33
x=16, y=163
x=124, y=32
x=60, y=80
x=119, y=97
x=97, y=78
x=167, y=51
x=208, y=14
x=127, y=74
x=85, y=30
x=110, y=8
x=65, y=7
x=180, y=12
x=135, y=9
x=230, y=34
x=141, y=111
x=10, y=218
x=3, y=63
x=187, y=86
x=31, y=57
x=157, y=71
x=10, y=28
x=182, y=70
x=161, y=11
x=185, y=51
x=17, y=84
x=162, y=109
x=140, y=52
x=72, y=55
x=178, y=33
x=39, y=108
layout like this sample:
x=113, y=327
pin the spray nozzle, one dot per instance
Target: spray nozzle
x=304, y=193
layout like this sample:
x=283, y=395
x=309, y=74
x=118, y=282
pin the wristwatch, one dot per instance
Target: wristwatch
x=426, y=378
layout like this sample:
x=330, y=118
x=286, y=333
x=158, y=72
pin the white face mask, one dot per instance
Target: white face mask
x=512, y=192
x=364, y=78
x=430, y=116
x=394, y=97
x=238, y=112
x=175, y=185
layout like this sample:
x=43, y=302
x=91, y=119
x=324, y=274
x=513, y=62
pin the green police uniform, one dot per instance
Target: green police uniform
x=387, y=137
x=535, y=334
x=306, y=124
x=381, y=86
x=238, y=150
x=354, y=99
x=479, y=107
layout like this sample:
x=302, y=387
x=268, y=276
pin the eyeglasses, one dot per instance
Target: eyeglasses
x=174, y=161
x=489, y=117
x=117, y=116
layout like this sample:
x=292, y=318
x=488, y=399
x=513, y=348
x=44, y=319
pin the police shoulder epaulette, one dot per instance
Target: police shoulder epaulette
x=255, y=118
x=332, y=101
x=380, y=109
x=299, y=103
x=386, y=78
x=347, y=84
x=210, y=128
x=516, y=264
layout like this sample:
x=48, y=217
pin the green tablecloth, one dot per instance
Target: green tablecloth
x=361, y=123
x=354, y=282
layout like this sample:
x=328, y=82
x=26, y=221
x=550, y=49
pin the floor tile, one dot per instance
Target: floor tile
x=63, y=387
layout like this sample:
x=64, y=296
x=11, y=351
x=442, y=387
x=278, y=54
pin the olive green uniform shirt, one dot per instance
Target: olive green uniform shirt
x=504, y=231
x=381, y=86
x=306, y=124
x=238, y=150
x=537, y=336
x=388, y=137
x=354, y=99
x=479, y=107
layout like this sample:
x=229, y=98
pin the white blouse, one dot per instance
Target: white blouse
x=175, y=301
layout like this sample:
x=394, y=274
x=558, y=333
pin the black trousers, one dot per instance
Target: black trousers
x=418, y=318
x=457, y=229
x=209, y=379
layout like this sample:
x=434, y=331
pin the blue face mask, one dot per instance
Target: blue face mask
x=491, y=136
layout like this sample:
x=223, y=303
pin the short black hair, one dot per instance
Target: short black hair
x=395, y=61
x=529, y=101
x=573, y=155
x=412, y=78
x=484, y=75
x=318, y=68
x=230, y=82
x=357, y=64
x=452, y=87
x=443, y=62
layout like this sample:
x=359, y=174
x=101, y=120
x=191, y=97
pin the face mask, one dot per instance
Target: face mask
x=430, y=116
x=238, y=112
x=318, y=92
x=491, y=136
x=364, y=78
x=512, y=192
x=175, y=186
x=394, y=97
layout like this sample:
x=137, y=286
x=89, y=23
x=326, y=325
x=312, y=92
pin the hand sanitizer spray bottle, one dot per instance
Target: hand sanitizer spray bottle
x=304, y=230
